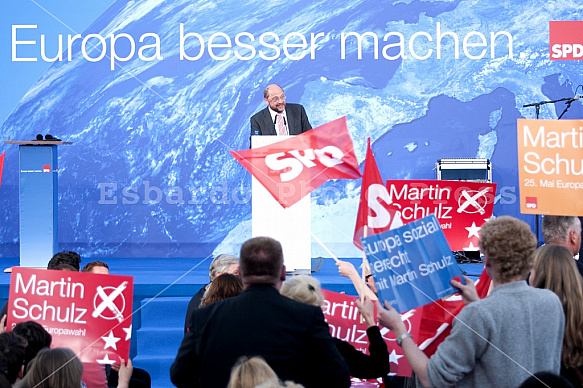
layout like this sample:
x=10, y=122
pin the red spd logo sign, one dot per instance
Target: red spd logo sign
x=88, y=313
x=566, y=40
x=289, y=165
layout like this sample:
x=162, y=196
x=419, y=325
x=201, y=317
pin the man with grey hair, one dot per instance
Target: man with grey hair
x=220, y=265
x=566, y=232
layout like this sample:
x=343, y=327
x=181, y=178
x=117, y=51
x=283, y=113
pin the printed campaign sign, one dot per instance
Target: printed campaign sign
x=88, y=313
x=461, y=207
x=412, y=265
x=550, y=165
x=344, y=320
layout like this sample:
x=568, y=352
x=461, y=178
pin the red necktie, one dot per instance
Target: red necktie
x=280, y=125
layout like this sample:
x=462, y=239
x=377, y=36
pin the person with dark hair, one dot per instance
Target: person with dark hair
x=223, y=287
x=222, y=264
x=546, y=380
x=554, y=269
x=502, y=339
x=36, y=336
x=12, y=351
x=292, y=337
x=96, y=267
x=65, y=257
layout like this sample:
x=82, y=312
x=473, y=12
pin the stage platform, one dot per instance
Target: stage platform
x=162, y=289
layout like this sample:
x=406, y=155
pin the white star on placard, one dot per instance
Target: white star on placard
x=128, y=331
x=471, y=247
x=106, y=360
x=394, y=357
x=473, y=230
x=110, y=341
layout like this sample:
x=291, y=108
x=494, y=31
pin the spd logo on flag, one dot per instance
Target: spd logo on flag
x=88, y=313
x=375, y=210
x=293, y=168
x=566, y=40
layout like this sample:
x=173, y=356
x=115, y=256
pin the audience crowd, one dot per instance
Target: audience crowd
x=250, y=326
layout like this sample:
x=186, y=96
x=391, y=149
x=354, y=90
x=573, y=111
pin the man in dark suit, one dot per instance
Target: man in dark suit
x=292, y=337
x=279, y=118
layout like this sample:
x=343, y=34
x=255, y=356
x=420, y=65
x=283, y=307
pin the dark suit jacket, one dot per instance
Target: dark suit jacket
x=292, y=337
x=297, y=121
x=193, y=305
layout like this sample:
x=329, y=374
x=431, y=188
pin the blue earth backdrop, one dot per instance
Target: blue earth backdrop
x=150, y=174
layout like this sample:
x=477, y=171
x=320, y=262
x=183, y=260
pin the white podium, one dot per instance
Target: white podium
x=291, y=226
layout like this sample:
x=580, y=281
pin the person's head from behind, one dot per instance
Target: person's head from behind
x=303, y=288
x=67, y=258
x=555, y=270
x=12, y=351
x=251, y=372
x=36, y=336
x=261, y=261
x=564, y=231
x=223, y=287
x=507, y=244
x=54, y=368
x=223, y=264
x=546, y=380
x=97, y=266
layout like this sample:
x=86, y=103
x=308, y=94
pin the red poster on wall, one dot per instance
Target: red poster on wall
x=88, y=313
x=461, y=207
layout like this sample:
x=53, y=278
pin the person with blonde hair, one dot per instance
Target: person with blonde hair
x=555, y=270
x=307, y=289
x=500, y=340
x=253, y=372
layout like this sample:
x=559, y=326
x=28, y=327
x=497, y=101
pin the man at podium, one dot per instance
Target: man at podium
x=279, y=118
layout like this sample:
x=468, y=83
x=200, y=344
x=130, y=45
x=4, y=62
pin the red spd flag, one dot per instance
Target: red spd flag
x=375, y=210
x=1, y=166
x=88, y=313
x=295, y=167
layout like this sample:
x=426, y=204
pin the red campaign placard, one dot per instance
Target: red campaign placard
x=88, y=313
x=460, y=207
x=344, y=320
